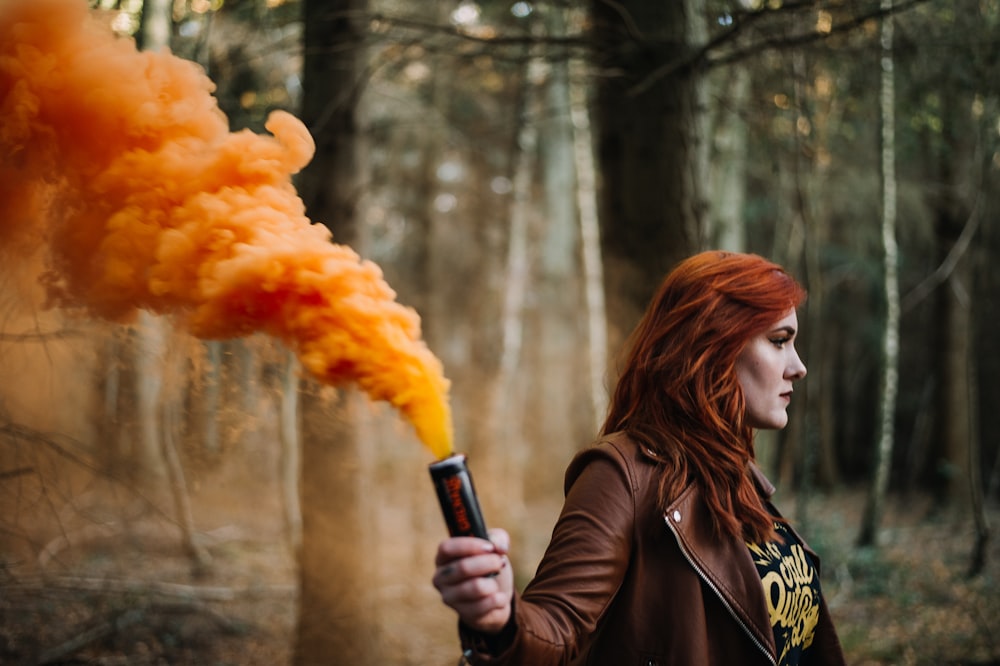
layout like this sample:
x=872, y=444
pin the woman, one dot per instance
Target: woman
x=668, y=550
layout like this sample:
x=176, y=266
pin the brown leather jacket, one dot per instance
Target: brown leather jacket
x=622, y=584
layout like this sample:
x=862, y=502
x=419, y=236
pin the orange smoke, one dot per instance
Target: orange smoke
x=121, y=163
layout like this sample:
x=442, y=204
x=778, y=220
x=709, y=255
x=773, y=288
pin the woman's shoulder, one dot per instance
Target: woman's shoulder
x=621, y=452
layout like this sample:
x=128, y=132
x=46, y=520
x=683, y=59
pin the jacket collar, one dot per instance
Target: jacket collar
x=763, y=484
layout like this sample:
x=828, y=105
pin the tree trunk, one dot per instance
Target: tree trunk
x=954, y=221
x=506, y=412
x=156, y=29
x=210, y=405
x=890, y=335
x=954, y=324
x=334, y=616
x=150, y=356
x=150, y=334
x=333, y=622
x=590, y=239
x=558, y=408
x=977, y=560
x=728, y=159
x=331, y=84
x=987, y=315
x=291, y=448
x=646, y=138
x=171, y=424
x=115, y=427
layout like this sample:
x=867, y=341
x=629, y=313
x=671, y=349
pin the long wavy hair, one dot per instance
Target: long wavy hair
x=678, y=394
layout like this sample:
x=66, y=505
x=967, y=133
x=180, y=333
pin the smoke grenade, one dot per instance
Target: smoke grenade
x=457, y=496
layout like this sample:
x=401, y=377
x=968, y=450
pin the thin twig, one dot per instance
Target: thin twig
x=120, y=621
x=154, y=588
x=90, y=635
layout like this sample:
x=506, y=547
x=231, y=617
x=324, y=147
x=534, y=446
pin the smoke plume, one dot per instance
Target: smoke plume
x=120, y=166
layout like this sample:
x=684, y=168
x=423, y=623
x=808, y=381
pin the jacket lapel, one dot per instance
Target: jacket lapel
x=723, y=564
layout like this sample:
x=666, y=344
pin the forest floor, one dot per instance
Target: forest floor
x=911, y=601
x=132, y=598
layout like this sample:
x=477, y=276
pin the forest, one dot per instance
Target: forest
x=264, y=261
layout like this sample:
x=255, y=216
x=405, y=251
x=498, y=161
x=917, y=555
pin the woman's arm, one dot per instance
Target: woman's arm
x=580, y=573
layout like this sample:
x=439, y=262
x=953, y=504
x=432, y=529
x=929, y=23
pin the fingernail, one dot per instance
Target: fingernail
x=488, y=547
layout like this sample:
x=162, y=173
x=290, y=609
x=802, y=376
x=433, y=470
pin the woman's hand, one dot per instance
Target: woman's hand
x=474, y=577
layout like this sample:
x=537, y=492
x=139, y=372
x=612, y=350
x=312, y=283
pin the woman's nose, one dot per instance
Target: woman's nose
x=798, y=369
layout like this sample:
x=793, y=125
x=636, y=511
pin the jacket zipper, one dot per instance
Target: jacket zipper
x=725, y=602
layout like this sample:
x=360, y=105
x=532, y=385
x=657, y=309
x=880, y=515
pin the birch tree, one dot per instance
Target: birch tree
x=158, y=390
x=149, y=335
x=890, y=335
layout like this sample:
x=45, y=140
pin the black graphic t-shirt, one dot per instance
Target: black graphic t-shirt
x=791, y=587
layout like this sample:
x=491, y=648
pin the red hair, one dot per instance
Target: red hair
x=678, y=394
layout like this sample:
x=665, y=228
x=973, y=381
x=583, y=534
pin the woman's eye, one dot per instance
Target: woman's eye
x=780, y=342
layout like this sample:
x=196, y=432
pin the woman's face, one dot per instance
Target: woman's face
x=766, y=369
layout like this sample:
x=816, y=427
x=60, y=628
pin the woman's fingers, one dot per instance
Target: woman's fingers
x=481, y=602
x=500, y=539
x=470, y=590
x=472, y=567
x=474, y=578
x=460, y=547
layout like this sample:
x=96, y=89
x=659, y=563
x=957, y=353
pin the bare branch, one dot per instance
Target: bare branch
x=90, y=635
x=627, y=19
x=20, y=432
x=118, y=621
x=794, y=41
x=18, y=471
x=713, y=53
x=943, y=271
x=429, y=28
x=41, y=336
x=703, y=55
x=17, y=431
x=159, y=589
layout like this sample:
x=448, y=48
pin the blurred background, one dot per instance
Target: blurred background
x=524, y=174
